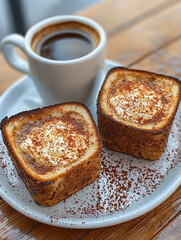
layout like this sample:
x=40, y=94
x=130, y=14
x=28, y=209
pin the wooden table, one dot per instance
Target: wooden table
x=144, y=35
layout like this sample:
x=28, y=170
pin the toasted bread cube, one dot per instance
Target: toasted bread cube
x=136, y=110
x=56, y=150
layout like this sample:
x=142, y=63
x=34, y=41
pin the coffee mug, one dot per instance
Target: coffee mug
x=61, y=71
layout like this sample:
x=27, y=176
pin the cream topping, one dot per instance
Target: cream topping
x=54, y=143
x=136, y=103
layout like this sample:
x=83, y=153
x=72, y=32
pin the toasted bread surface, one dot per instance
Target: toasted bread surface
x=56, y=150
x=136, y=110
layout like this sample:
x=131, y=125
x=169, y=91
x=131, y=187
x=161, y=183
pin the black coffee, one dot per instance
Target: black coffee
x=65, y=45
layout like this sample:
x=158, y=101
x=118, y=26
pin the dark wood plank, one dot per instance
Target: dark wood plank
x=166, y=61
x=14, y=225
x=171, y=231
x=145, y=38
x=116, y=15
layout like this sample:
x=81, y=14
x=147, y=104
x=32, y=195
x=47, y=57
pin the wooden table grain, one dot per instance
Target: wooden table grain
x=144, y=35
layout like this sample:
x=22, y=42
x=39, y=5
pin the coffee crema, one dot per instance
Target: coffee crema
x=65, y=41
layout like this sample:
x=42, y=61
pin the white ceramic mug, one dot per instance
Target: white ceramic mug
x=57, y=81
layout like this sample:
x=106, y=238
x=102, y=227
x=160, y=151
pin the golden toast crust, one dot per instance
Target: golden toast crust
x=118, y=136
x=51, y=190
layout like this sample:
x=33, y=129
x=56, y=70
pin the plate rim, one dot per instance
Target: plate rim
x=105, y=223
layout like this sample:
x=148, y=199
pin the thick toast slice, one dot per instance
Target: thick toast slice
x=136, y=110
x=56, y=150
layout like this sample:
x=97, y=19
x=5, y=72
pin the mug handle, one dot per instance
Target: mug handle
x=8, y=48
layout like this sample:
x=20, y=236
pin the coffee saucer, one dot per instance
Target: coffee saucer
x=126, y=187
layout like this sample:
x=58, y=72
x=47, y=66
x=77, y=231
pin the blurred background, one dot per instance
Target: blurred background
x=16, y=16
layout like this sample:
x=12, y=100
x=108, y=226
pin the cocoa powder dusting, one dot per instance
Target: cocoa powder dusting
x=122, y=182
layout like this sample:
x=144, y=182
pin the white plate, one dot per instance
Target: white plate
x=126, y=188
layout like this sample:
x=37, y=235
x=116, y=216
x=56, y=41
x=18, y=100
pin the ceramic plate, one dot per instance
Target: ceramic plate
x=126, y=187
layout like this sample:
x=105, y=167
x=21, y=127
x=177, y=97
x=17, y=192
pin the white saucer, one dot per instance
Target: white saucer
x=126, y=188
